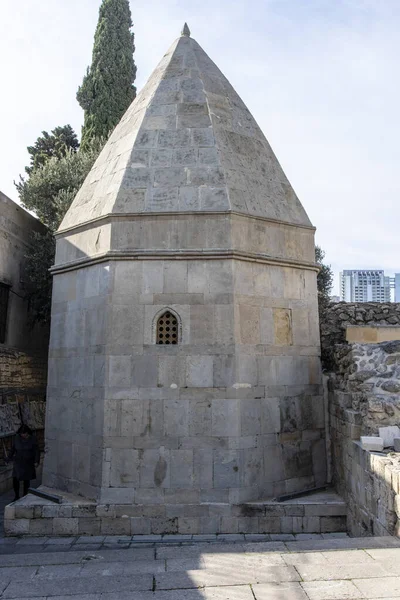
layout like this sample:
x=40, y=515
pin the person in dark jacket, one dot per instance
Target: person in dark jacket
x=26, y=456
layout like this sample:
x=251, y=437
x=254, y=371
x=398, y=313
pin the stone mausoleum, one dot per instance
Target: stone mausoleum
x=184, y=371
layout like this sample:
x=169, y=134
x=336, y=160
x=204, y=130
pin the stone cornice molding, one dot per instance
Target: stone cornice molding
x=200, y=254
x=103, y=220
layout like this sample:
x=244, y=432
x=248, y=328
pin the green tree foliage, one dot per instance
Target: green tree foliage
x=52, y=145
x=51, y=187
x=107, y=88
x=324, y=286
x=325, y=276
x=48, y=192
x=40, y=258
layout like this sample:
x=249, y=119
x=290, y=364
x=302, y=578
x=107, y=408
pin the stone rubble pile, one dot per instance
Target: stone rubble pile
x=371, y=373
x=340, y=315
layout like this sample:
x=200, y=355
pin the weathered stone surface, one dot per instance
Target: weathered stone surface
x=176, y=110
x=233, y=411
x=372, y=443
x=339, y=316
x=388, y=434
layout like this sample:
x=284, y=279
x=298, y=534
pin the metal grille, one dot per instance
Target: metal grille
x=4, y=291
x=167, y=329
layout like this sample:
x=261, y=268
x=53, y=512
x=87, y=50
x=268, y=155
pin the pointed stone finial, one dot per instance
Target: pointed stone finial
x=186, y=30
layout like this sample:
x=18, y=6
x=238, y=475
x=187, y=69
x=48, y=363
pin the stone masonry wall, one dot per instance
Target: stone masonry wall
x=371, y=374
x=339, y=315
x=22, y=400
x=363, y=396
x=76, y=516
x=20, y=372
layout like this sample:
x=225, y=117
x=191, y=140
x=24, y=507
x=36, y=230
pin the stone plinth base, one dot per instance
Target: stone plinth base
x=322, y=513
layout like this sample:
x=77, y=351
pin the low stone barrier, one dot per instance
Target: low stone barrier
x=74, y=516
x=364, y=396
x=335, y=320
x=373, y=492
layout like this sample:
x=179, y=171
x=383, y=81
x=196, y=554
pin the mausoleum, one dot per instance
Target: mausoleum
x=184, y=371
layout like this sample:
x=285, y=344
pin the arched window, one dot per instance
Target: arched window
x=167, y=329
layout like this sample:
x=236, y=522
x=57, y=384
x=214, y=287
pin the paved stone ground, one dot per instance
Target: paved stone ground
x=311, y=567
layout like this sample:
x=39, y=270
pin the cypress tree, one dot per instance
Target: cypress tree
x=107, y=88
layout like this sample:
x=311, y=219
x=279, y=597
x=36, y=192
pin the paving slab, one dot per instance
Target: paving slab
x=382, y=587
x=196, y=549
x=31, y=541
x=147, y=538
x=343, y=568
x=258, y=537
x=78, y=585
x=16, y=573
x=90, y=539
x=342, y=571
x=281, y=591
x=81, y=597
x=384, y=553
x=89, y=547
x=243, y=561
x=343, y=544
x=108, y=569
x=265, y=547
x=206, y=578
x=308, y=558
x=59, y=558
x=185, y=564
x=351, y=556
x=24, y=549
x=61, y=541
x=8, y=541
x=391, y=566
x=237, y=592
x=308, y=536
x=58, y=571
x=331, y=590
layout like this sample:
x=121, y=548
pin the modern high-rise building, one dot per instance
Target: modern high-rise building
x=396, y=282
x=365, y=286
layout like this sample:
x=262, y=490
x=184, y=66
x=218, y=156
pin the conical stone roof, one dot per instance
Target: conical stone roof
x=187, y=143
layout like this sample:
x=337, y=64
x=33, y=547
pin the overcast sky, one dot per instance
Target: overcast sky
x=321, y=77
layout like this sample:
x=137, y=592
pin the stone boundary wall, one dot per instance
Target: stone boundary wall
x=363, y=396
x=370, y=373
x=371, y=486
x=23, y=381
x=44, y=518
x=21, y=373
x=339, y=315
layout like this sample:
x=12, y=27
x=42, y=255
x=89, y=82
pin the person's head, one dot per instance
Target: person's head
x=24, y=431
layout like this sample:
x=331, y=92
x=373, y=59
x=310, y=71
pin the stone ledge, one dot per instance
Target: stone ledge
x=58, y=526
x=32, y=516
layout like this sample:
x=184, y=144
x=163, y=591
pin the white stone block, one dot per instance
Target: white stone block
x=371, y=443
x=396, y=444
x=16, y=526
x=199, y=371
x=388, y=434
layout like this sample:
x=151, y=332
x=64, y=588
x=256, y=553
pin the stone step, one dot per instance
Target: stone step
x=317, y=513
x=320, y=512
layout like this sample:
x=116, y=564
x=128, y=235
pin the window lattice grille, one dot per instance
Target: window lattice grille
x=167, y=329
x=4, y=291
